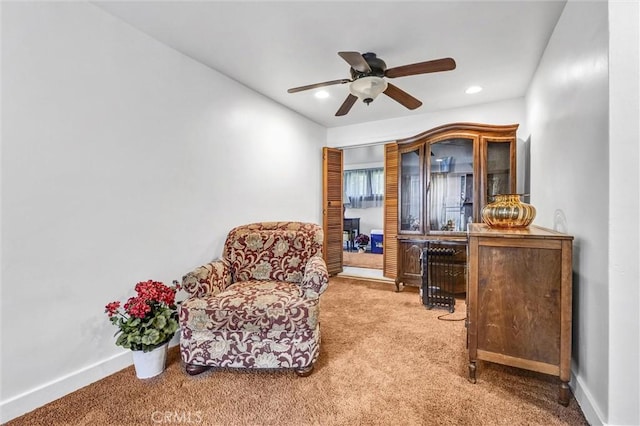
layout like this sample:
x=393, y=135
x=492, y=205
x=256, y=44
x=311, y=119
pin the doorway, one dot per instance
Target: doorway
x=363, y=198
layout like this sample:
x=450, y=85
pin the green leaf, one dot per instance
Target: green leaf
x=134, y=338
x=151, y=337
x=160, y=322
x=121, y=340
x=172, y=327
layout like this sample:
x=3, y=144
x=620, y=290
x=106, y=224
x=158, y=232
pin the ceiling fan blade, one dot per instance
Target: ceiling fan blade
x=346, y=105
x=356, y=60
x=314, y=86
x=401, y=96
x=437, y=65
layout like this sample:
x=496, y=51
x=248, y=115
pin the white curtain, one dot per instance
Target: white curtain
x=364, y=188
x=437, y=195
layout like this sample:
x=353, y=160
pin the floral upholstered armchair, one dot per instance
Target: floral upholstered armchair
x=257, y=306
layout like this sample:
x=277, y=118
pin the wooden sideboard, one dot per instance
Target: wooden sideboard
x=519, y=300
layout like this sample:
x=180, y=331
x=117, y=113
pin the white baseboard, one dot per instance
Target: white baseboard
x=48, y=392
x=586, y=402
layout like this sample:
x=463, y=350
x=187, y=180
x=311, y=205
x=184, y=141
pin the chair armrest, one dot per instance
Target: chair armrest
x=209, y=279
x=316, y=278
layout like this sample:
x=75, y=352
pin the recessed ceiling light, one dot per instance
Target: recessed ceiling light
x=322, y=94
x=473, y=89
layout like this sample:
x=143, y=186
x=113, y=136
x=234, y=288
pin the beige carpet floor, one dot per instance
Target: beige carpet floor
x=385, y=360
x=362, y=260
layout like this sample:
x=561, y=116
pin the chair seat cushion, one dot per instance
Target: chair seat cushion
x=252, y=306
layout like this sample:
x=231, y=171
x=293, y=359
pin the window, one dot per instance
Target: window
x=364, y=188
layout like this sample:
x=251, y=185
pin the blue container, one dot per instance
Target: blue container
x=377, y=241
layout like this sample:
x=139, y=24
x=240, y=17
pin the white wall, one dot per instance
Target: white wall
x=504, y=112
x=122, y=160
x=567, y=109
x=575, y=184
x=624, y=211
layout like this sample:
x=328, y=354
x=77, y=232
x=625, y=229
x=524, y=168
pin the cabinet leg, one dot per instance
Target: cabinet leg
x=564, y=393
x=399, y=286
x=472, y=371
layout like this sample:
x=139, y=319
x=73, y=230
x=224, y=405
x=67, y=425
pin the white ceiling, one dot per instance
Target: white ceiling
x=273, y=46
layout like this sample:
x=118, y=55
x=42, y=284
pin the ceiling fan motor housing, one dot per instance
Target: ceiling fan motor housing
x=377, y=65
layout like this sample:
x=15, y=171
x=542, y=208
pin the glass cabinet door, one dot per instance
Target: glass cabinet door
x=450, y=190
x=498, y=169
x=410, y=182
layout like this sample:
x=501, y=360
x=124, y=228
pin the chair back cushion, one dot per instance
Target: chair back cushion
x=276, y=251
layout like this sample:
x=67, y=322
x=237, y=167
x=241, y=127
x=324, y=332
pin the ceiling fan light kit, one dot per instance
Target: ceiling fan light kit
x=368, y=88
x=368, y=74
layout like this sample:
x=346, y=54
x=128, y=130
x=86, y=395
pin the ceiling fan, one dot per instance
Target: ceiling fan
x=367, y=79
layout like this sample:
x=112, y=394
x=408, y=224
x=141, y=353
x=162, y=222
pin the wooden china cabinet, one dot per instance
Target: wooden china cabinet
x=444, y=178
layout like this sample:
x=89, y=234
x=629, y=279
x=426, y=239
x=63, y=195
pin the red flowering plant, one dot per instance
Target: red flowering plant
x=147, y=320
x=362, y=240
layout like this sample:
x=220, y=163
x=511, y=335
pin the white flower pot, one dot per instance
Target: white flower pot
x=150, y=364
